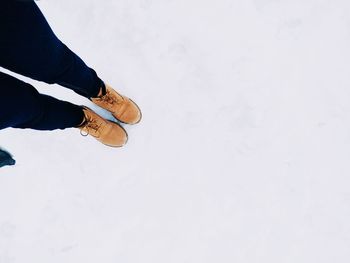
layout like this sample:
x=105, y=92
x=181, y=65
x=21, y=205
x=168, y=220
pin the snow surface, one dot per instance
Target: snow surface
x=242, y=154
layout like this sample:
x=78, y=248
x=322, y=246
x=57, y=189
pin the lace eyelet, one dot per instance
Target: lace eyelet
x=84, y=134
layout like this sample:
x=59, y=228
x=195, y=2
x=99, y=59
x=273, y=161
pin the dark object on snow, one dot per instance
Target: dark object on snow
x=6, y=158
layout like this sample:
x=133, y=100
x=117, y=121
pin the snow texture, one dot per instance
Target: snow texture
x=242, y=154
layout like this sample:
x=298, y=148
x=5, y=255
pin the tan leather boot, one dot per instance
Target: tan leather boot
x=121, y=107
x=107, y=132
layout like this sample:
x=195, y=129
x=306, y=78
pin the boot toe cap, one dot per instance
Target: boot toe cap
x=117, y=137
x=131, y=115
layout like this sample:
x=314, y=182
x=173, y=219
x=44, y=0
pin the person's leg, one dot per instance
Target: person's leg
x=29, y=47
x=22, y=106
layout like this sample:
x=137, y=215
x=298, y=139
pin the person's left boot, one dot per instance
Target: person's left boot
x=121, y=107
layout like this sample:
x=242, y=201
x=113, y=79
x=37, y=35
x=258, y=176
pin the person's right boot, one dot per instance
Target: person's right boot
x=107, y=132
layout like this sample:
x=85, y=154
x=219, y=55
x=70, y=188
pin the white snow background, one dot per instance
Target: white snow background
x=242, y=154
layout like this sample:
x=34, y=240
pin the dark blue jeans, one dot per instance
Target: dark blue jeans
x=29, y=47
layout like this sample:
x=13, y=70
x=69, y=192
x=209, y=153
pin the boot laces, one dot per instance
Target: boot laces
x=90, y=125
x=110, y=99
